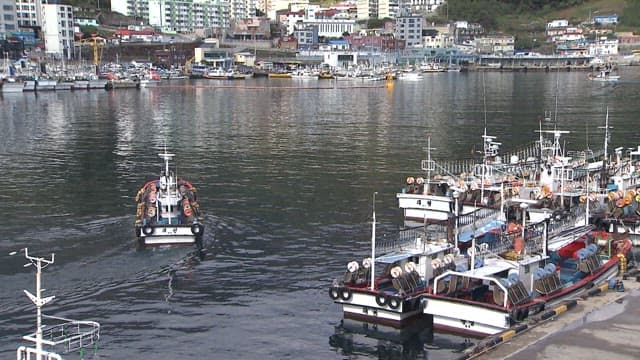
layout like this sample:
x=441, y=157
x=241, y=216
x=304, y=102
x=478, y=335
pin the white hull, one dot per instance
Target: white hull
x=168, y=235
x=469, y=318
x=16, y=87
x=363, y=306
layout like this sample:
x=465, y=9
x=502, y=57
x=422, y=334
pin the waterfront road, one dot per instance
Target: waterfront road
x=601, y=327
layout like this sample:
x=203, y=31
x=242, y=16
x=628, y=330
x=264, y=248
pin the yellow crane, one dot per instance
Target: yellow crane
x=97, y=44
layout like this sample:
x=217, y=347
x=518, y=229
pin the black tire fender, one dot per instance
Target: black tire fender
x=394, y=302
x=197, y=229
x=334, y=294
x=147, y=229
x=345, y=294
x=381, y=299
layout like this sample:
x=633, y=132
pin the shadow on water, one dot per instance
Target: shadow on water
x=417, y=341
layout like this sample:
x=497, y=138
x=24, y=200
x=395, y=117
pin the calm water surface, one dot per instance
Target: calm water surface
x=285, y=175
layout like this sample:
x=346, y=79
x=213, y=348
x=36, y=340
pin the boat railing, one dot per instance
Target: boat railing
x=479, y=217
x=410, y=238
x=529, y=151
x=565, y=220
x=71, y=334
x=27, y=353
x=533, y=240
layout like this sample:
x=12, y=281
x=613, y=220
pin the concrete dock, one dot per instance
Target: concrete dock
x=604, y=326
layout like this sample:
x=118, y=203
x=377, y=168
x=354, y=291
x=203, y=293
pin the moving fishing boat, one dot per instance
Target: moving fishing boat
x=53, y=333
x=168, y=212
x=521, y=275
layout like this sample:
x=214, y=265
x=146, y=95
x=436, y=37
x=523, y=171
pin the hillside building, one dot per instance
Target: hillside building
x=8, y=18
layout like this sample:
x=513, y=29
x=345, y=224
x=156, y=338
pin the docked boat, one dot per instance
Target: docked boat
x=604, y=76
x=410, y=76
x=168, y=212
x=53, y=334
x=13, y=87
x=521, y=275
x=217, y=74
x=387, y=287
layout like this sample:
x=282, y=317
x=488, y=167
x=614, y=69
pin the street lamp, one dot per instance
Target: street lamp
x=456, y=196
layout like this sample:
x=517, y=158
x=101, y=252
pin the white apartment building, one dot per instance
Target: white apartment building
x=314, y=16
x=378, y=9
x=58, y=29
x=8, y=18
x=186, y=16
x=29, y=12
x=603, y=47
x=428, y=6
x=138, y=8
x=409, y=29
x=270, y=7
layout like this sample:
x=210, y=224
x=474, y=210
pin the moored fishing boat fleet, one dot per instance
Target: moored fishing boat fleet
x=490, y=247
x=485, y=248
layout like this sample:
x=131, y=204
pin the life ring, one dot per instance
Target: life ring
x=333, y=293
x=197, y=229
x=147, y=229
x=345, y=294
x=394, y=302
x=419, y=181
x=381, y=299
x=410, y=180
x=186, y=209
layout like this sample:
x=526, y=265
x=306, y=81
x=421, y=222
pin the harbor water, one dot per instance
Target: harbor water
x=285, y=171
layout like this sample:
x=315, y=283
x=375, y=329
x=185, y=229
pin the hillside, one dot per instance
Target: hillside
x=527, y=19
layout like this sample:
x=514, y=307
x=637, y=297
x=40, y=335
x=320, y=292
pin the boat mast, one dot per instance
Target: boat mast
x=605, y=158
x=373, y=243
x=37, y=299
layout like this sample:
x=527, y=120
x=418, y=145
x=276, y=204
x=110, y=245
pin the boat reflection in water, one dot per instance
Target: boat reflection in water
x=415, y=341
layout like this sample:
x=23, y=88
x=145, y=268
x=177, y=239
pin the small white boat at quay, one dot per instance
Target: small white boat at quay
x=53, y=333
x=604, y=76
x=168, y=212
x=410, y=76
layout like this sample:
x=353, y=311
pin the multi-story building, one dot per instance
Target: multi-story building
x=270, y=7
x=428, y=6
x=603, y=47
x=378, y=9
x=29, y=13
x=8, y=18
x=184, y=16
x=307, y=36
x=495, y=44
x=58, y=29
x=409, y=29
x=135, y=8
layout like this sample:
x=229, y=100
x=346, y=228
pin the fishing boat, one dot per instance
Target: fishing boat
x=53, y=334
x=387, y=287
x=604, y=76
x=168, y=212
x=410, y=76
x=521, y=275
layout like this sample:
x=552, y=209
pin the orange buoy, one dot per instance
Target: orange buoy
x=627, y=199
x=518, y=245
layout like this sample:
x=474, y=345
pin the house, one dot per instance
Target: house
x=605, y=19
